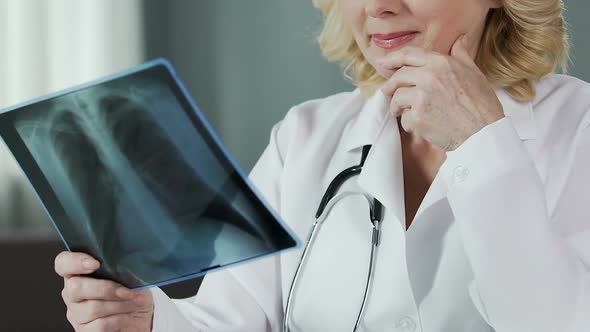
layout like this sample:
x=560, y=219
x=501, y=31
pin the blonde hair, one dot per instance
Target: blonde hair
x=523, y=41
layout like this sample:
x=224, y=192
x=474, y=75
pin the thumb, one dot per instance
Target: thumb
x=459, y=51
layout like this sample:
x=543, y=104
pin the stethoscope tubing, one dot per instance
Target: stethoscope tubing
x=375, y=235
x=326, y=204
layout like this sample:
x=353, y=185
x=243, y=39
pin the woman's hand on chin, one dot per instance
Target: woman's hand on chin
x=442, y=98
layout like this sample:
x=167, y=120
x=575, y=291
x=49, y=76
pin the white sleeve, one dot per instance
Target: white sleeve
x=531, y=272
x=241, y=298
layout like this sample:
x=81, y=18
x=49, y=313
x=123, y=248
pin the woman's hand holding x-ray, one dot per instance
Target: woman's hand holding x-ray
x=443, y=99
x=101, y=305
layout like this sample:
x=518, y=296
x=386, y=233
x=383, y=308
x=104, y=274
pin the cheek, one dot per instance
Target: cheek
x=445, y=26
x=353, y=13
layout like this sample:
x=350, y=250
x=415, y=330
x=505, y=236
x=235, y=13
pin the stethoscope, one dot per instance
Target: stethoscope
x=328, y=200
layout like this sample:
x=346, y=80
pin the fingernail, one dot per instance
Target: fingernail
x=124, y=293
x=90, y=264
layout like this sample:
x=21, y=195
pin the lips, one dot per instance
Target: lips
x=393, y=40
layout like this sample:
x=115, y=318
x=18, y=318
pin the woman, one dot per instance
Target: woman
x=478, y=158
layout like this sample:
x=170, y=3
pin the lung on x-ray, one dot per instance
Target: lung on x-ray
x=140, y=183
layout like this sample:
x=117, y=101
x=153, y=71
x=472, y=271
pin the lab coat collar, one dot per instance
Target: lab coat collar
x=382, y=174
x=367, y=123
x=520, y=113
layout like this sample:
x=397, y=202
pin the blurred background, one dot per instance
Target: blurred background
x=244, y=62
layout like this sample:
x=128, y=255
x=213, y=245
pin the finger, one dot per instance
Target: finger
x=78, y=289
x=111, y=323
x=87, y=311
x=402, y=99
x=408, y=77
x=407, y=56
x=404, y=77
x=407, y=121
x=68, y=264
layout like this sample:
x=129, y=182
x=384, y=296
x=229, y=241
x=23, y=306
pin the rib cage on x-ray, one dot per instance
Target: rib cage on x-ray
x=125, y=176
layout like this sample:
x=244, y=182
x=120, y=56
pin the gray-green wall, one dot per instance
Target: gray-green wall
x=245, y=62
x=577, y=16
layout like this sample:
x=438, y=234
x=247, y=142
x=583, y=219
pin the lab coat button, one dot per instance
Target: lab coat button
x=406, y=324
x=460, y=173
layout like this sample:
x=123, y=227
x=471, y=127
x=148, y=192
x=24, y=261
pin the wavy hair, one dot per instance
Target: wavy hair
x=523, y=41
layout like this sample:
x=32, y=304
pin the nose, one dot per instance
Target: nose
x=383, y=8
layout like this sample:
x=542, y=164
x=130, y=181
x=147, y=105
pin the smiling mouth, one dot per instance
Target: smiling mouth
x=392, y=40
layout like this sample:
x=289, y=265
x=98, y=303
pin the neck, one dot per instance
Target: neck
x=416, y=143
x=418, y=152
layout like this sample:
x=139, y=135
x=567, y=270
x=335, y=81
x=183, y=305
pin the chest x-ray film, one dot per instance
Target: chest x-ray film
x=130, y=172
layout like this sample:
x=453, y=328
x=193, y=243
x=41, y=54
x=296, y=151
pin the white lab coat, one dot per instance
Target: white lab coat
x=501, y=241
